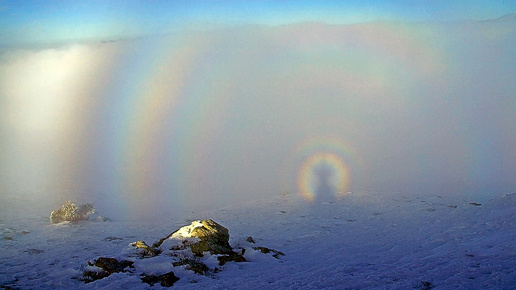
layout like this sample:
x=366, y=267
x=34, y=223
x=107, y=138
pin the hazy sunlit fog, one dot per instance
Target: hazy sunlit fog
x=199, y=117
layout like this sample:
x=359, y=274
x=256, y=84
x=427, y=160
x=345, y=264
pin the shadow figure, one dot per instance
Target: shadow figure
x=324, y=190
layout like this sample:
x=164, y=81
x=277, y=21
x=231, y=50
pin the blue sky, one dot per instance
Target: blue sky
x=42, y=21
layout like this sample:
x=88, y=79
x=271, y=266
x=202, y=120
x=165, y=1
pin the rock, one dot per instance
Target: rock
x=150, y=279
x=92, y=274
x=168, y=279
x=194, y=265
x=70, y=212
x=103, y=267
x=108, y=264
x=198, y=268
x=145, y=250
x=165, y=280
x=112, y=265
x=238, y=258
x=214, y=236
x=425, y=285
x=112, y=238
x=265, y=250
x=201, y=236
x=186, y=247
x=34, y=251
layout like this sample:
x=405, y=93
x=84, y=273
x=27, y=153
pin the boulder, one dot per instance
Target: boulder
x=70, y=212
x=201, y=236
x=214, y=238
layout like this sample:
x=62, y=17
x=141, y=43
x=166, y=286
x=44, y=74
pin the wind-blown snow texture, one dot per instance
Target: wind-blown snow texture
x=365, y=240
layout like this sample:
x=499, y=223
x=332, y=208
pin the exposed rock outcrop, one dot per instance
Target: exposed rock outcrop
x=196, y=247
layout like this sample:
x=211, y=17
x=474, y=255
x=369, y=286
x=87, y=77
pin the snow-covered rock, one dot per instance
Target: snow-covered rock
x=201, y=247
x=200, y=236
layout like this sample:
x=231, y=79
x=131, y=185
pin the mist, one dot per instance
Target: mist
x=194, y=118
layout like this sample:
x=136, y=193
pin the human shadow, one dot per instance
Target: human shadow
x=325, y=190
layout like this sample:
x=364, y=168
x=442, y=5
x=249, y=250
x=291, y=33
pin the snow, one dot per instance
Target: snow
x=185, y=232
x=364, y=240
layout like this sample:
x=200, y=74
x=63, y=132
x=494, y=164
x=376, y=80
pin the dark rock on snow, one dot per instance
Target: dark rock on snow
x=103, y=267
x=193, y=265
x=265, y=250
x=165, y=280
x=112, y=265
x=233, y=257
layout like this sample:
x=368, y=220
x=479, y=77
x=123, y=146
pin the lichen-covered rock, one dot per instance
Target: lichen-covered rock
x=214, y=238
x=70, y=212
x=199, y=236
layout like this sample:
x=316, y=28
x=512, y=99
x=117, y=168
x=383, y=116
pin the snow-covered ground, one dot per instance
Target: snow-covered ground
x=364, y=240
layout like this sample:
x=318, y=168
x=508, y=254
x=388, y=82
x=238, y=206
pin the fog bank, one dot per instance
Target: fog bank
x=195, y=118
